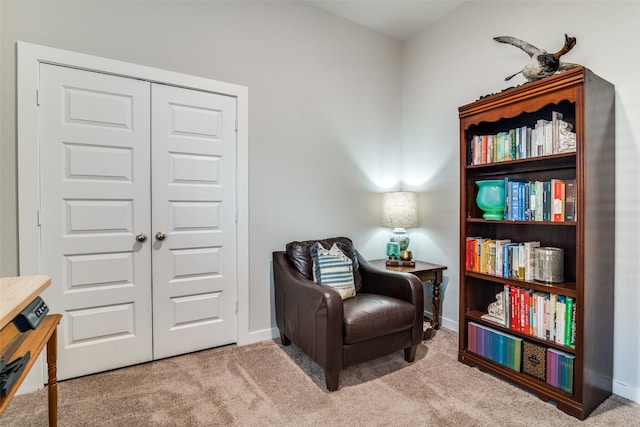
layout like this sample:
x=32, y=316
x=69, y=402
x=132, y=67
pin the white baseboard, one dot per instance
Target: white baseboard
x=444, y=322
x=627, y=391
x=257, y=336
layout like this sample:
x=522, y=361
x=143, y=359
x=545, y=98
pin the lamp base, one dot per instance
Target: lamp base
x=401, y=237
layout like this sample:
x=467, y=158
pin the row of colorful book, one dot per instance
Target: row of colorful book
x=546, y=137
x=553, y=366
x=560, y=369
x=553, y=200
x=501, y=257
x=495, y=345
x=547, y=316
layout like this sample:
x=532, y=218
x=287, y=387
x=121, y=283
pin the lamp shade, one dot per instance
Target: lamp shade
x=400, y=209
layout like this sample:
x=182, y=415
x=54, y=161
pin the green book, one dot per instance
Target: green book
x=568, y=317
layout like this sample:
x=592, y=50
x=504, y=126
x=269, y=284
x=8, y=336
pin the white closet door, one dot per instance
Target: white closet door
x=194, y=206
x=94, y=171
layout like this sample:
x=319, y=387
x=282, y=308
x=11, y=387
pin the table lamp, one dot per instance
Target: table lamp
x=400, y=211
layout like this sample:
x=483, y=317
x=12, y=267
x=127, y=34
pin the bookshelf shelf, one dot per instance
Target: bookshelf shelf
x=579, y=375
x=476, y=316
x=551, y=223
x=565, y=288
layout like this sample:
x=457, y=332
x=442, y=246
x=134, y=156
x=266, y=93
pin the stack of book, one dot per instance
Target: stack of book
x=543, y=315
x=495, y=345
x=560, y=369
x=543, y=138
x=553, y=200
x=399, y=263
x=501, y=257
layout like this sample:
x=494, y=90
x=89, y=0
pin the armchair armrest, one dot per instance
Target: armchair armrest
x=308, y=314
x=404, y=286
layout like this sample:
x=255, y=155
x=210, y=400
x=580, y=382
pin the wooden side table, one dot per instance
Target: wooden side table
x=425, y=271
x=16, y=293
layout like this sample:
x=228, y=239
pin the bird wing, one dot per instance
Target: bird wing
x=526, y=47
x=564, y=66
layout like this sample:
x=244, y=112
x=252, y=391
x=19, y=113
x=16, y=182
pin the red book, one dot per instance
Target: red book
x=523, y=310
x=515, y=322
x=526, y=311
x=557, y=201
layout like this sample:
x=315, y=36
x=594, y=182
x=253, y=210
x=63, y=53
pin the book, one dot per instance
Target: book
x=556, y=118
x=399, y=263
x=557, y=204
x=538, y=194
x=506, y=260
x=507, y=306
x=567, y=321
x=492, y=258
x=570, y=200
x=572, y=340
x=512, y=194
x=512, y=144
x=501, y=141
x=540, y=137
x=551, y=318
x=499, y=256
x=546, y=201
x=470, y=252
x=560, y=319
x=490, y=149
x=495, y=345
x=484, y=256
x=548, y=138
x=529, y=256
x=560, y=369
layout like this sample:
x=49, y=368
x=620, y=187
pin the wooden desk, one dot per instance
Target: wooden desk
x=425, y=271
x=16, y=294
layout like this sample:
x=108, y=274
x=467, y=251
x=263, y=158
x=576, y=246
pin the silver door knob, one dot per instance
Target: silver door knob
x=141, y=237
x=161, y=235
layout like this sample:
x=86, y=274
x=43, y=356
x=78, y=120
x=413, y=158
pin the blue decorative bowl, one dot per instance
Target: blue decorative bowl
x=491, y=198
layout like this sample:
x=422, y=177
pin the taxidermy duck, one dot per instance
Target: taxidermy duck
x=543, y=64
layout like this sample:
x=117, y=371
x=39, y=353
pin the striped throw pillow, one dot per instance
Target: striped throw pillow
x=331, y=267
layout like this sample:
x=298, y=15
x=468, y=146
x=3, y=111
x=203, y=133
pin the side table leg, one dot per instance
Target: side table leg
x=52, y=388
x=436, y=304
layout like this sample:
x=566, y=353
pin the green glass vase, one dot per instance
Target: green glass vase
x=490, y=198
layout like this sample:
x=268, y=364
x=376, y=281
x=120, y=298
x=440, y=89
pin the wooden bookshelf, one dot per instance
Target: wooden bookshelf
x=588, y=103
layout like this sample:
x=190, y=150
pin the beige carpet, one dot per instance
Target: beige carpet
x=265, y=384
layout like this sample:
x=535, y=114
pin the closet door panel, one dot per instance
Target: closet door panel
x=194, y=209
x=94, y=132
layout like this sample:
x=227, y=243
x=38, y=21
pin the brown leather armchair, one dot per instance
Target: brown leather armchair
x=385, y=315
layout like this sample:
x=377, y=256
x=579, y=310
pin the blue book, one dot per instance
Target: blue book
x=506, y=262
x=511, y=197
x=515, y=200
x=522, y=201
x=546, y=201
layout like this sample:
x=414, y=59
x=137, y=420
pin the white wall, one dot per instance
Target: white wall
x=324, y=108
x=455, y=61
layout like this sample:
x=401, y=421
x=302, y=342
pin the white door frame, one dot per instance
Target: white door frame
x=29, y=58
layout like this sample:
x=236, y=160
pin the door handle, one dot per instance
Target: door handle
x=161, y=235
x=141, y=237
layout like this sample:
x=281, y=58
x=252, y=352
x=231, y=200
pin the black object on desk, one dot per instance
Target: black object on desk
x=32, y=315
x=10, y=373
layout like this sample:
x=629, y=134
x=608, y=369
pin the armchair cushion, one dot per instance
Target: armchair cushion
x=299, y=253
x=331, y=267
x=370, y=316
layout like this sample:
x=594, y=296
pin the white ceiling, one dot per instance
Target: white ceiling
x=399, y=19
